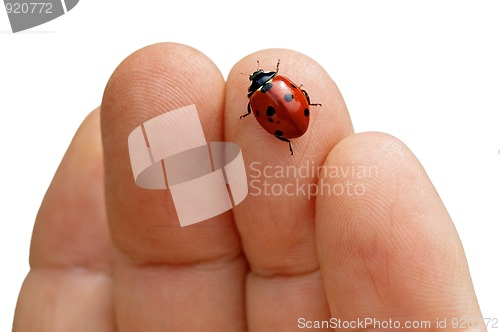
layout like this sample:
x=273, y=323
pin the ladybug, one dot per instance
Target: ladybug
x=280, y=106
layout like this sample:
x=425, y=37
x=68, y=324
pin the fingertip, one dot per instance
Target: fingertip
x=61, y=223
x=158, y=78
x=329, y=122
x=150, y=82
x=387, y=245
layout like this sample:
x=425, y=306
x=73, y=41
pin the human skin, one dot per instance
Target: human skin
x=107, y=255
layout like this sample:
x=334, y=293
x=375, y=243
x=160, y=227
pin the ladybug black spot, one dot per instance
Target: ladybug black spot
x=267, y=87
x=257, y=113
x=270, y=111
x=306, y=112
x=278, y=133
x=288, y=97
x=270, y=119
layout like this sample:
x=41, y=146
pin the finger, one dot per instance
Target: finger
x=69, y=284
x=388, y=248
x=277, y=226
x=165, y=274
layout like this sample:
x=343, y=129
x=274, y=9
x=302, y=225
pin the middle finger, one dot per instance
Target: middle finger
x=276, y=221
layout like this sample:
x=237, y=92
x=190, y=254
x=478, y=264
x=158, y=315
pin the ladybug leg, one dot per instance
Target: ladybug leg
x=249, y=110
x=309, y=99
x=286, y=140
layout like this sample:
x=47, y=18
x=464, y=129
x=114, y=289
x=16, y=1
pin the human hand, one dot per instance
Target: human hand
x=107, y=255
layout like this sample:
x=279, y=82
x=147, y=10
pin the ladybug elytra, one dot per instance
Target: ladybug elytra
x=279, y=105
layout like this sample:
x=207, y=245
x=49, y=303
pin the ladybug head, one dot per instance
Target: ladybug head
x=258, y=79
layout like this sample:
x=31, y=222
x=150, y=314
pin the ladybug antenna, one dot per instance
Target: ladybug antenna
x=278, y=66
x=258, y=64
x=247, y=75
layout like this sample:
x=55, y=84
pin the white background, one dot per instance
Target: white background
x=427, y=72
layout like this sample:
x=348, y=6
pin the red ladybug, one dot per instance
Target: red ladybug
x=280, y=106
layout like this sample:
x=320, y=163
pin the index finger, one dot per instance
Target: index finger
x=164, y=273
